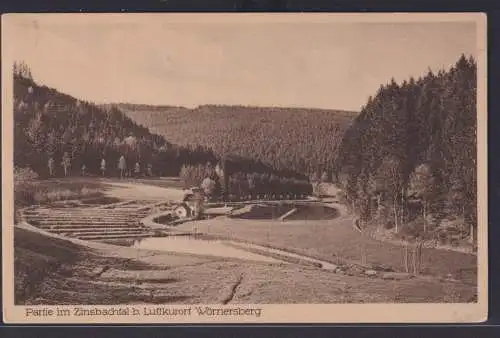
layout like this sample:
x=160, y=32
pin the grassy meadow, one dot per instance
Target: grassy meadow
x=336, y=241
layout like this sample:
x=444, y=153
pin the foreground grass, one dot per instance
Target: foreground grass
x=54, y=271
x=336, y=241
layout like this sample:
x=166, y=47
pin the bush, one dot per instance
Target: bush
x=450, y=235
x=24, y=186
x=24, y=176
x=28, y=190
x=414, y=230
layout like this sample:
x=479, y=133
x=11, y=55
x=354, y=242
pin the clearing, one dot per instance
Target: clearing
x=57, y=270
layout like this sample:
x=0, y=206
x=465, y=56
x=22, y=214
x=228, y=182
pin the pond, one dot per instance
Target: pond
x=264, y=211
x=192, y=245
x=227, y=249
x=287, y=211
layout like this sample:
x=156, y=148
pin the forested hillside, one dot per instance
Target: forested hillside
x=298, y=139
x=408, y=162
x=51, y=125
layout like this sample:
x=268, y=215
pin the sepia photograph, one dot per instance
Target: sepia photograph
x=244, y=168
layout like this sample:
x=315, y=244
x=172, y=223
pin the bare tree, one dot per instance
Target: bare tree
x=103, y=167
x=422, y=185
x=122, y=165
x=66, y=163
x=390, y=174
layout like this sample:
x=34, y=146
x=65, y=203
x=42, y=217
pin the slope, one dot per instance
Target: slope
x=300, y=139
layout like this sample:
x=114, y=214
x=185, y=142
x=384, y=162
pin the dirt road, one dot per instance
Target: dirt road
x=138, y=191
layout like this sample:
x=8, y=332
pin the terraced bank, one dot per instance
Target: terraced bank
x=121, y=220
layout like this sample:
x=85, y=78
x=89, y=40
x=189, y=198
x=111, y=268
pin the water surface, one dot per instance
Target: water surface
x=191, y=245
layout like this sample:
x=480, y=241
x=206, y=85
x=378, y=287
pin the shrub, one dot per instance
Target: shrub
x=414, y=230
x=24, y=186
x=24, y=176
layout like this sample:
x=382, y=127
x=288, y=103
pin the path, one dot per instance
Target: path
x=140, y=191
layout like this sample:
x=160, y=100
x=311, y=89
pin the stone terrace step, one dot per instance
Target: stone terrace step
x=83, y=219
x=107, y=233
x=91, y=223
x=57, y=228
x=85, y=212
x=76, y=208
x=102, y=237
x=69, y=209
x=129, y=206
x=123, y=206
x=69, y=215
x=86, y=217
x=80, y=221
x=94, y=214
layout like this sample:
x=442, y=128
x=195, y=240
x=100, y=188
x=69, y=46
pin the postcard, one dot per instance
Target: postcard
x=244, y=168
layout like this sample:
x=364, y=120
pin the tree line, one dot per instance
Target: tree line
x=54, y=131
x=411, y=153
x=240, y=185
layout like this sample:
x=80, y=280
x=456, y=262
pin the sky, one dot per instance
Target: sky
x=333, y=64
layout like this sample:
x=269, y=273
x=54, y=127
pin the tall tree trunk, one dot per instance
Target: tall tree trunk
x=405, y=257
x=378, y=214
x=395, y=214
x=402, y=215
x=425, y=216
x=473, y=237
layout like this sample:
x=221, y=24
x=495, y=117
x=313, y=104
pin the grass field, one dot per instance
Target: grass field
x=336, y=241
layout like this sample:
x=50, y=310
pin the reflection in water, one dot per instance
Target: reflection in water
x=296, y=211
x=196, y=246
